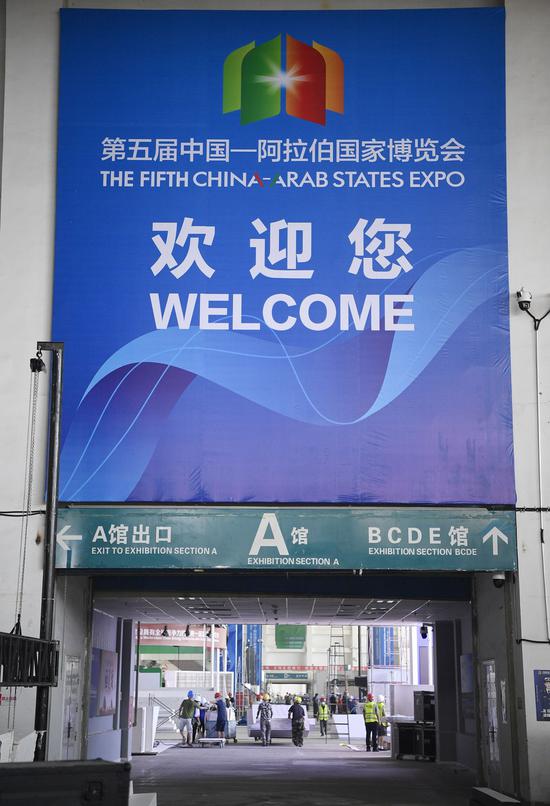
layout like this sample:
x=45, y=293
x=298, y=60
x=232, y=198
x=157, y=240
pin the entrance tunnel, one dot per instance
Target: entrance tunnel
x=409, y=639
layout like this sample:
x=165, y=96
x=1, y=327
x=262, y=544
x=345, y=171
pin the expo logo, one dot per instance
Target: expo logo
x=312, y=77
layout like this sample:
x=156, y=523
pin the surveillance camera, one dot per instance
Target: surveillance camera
x=524, y=299
x=424, y=631
x=499, y=579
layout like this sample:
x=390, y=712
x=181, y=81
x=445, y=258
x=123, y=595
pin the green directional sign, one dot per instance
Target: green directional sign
x=299, y=538
x=290, y=636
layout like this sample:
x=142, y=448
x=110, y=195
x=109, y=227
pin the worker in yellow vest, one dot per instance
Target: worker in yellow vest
x=323, y=715
x=372, y=719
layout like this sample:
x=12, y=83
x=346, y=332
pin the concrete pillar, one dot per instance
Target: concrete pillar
x=126, y=681
x=445, y=679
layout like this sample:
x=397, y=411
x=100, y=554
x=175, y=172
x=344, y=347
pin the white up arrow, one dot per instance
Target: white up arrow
x=495, y=535
x=62, y=537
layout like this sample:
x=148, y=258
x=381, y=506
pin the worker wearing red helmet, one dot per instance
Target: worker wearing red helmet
x=221, y=720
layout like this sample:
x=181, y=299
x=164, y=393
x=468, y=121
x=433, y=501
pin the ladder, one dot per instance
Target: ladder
x=337, y=679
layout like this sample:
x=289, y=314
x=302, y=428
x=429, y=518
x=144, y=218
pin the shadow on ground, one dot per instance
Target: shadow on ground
x=319, y=774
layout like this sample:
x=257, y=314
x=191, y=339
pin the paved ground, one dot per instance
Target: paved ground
x=247, y=774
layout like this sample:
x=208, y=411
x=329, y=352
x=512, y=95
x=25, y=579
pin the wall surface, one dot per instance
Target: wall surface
x=72, y=616
x=528, y=129
x=26, y=261
x=491, y=646
x=26, y=255
x=455, y=689
x=103, y=733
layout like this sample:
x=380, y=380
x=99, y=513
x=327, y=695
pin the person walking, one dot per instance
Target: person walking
x=221, y=720
x=383, y=742
x=315, y=703
x=196, y=722
x=372, y=719
x=265, y=715
x=202, y=717
x=333, y=700
x=298, y=716
x=186, y=713
x=323, y=716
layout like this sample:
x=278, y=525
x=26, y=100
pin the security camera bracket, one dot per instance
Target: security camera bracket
x=524, y=306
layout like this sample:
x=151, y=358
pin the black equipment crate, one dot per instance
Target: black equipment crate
x=65, y=783
x=424, y=706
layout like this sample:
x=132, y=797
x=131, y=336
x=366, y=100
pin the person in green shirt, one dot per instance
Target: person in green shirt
x=186, y=713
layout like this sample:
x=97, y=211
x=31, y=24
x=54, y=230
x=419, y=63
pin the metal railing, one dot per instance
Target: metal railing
x=167, y=714
x=202, y=680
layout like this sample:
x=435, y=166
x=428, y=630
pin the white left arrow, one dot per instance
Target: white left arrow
x=495, y=535
x=62, y=537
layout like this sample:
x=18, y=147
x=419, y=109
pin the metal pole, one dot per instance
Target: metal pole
x=236, y=667
x=204, y=655
x=212, y=665
x=48, y=577
x=541, y=515
x=138, y=648
x=260, y=661
x=359, y=651
x=244, y=670
x=369, y=657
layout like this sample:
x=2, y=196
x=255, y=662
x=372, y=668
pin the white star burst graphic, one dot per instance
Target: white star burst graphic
x=278, y=78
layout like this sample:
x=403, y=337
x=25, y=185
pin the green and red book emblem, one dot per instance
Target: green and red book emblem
x=312, y=79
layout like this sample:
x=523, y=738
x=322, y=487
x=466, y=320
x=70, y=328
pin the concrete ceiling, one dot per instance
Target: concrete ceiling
x=275, y=609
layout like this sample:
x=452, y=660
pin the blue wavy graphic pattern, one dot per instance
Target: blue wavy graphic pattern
x=272, y=375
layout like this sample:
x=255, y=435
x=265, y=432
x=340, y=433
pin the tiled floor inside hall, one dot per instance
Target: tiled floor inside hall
x=318, y=774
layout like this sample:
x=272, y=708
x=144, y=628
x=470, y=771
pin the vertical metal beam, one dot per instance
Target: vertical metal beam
x=83, y=704
x=539, y=456
x=204, y=655
x=359, y=651
x=136, y=693
x=236, y=667
x=482, y=773
x=369, y=657
x=48, y=576
x=510, y=594
x=126, y=669
x=212, y=662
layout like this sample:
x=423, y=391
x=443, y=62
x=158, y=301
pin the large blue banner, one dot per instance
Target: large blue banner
x=281, y=260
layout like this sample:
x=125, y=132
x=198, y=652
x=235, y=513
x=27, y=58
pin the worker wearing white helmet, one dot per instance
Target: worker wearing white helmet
x=383, y=742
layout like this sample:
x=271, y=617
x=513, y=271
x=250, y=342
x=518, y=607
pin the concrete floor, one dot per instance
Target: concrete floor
x=247, y=774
